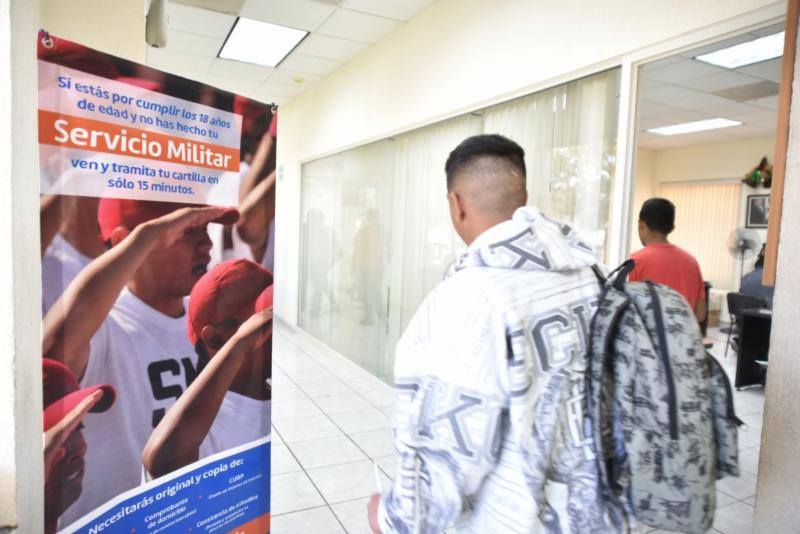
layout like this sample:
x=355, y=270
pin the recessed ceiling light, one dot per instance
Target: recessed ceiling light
x=696, y=126
x=262, y=43
x=739, y=55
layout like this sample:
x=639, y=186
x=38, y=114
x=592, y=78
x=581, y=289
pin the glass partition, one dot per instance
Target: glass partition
x=377, y=235
x=346, y=204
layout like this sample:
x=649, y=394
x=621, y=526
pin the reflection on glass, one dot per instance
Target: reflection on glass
x=345, y=199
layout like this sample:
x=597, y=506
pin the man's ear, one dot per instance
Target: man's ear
x=457, y=206
x=118, y=234
x=211, y=337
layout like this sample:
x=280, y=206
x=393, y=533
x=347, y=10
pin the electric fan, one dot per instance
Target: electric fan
x=743, y=243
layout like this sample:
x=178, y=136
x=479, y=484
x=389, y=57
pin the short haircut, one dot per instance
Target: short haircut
x=659, y=215
x=476, y=146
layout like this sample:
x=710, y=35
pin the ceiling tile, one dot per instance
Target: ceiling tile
x=288, y=77
x=169, y=60
x=735, y=110
x=330, y=47
x=663, y=62
x=648, y=110
x=234, y=85
x=645, y=84
x=225, y=6
x=662, y=92
x=201, y=21
x=310, y=64
x=648, y=123
x=765, y=119
x=299, y=14
x=681, y=71
x=347, y=24
x=771, y=102
x=716, y=82
x=393, y=9
x=237, y=69
x=700, y=101
x=277, y=90
x=769, y=30
x=267, y=99
x=750, y=130
x=192, y=43
x=766, y=70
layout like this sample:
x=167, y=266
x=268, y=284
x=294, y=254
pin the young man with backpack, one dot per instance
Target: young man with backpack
x=489, y=428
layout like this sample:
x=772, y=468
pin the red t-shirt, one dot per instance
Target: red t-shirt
x=672, y=266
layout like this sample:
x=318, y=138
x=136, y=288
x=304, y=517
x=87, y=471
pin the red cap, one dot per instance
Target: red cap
x=115, y=212
x=62, y=393
x=264, y=300
x=231, y=289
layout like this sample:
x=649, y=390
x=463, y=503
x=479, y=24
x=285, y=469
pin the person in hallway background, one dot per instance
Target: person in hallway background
x=662, y=262
x=366, y=264
x=488, y=429
x=321, y=238
x=751, y=282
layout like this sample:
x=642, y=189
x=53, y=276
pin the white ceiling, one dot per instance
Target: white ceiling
x=680, y=89
x=339, y=30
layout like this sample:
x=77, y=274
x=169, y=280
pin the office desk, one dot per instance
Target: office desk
x=754, y=332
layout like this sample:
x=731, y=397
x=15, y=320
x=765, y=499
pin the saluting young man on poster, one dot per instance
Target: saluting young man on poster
x=122, y=322
x=230, y=324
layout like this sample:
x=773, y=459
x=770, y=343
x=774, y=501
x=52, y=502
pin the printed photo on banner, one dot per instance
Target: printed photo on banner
x=157, y=239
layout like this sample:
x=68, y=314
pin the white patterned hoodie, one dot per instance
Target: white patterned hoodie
x=489, y=430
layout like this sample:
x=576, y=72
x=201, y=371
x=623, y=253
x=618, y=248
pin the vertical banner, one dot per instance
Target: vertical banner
x=157, y=217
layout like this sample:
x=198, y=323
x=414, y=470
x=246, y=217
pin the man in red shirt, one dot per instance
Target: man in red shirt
x=662, y=262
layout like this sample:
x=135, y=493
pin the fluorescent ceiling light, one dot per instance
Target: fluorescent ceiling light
x=262, y=43
x=696, y=126
x=739, y=55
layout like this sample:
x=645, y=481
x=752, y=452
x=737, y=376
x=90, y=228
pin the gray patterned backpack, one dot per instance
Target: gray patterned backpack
x=660, y=407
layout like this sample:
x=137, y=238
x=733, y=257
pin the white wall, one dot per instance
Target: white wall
x=115, y=27
x=779, y=461
x=459, y=55
x=21, y=479
x=715, y=161
x=644, y=187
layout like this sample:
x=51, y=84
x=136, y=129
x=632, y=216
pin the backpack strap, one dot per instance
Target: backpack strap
x=600, y=276
x=622, y=273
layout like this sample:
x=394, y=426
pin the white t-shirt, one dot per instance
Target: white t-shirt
x=61, y=263
x=240, y=420
x=149, y=360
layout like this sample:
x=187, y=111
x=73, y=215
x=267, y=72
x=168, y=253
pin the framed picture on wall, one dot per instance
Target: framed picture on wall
x=757, y=211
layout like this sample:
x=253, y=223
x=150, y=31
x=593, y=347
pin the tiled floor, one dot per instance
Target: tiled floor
x=331, y=422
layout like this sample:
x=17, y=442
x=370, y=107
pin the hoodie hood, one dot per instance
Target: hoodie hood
x=529, y=241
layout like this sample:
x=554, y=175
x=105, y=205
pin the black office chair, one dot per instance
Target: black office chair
x=704, y=321
x=737, y=303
